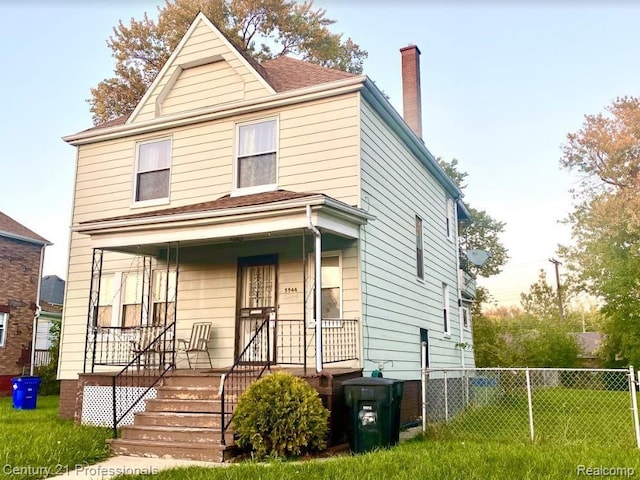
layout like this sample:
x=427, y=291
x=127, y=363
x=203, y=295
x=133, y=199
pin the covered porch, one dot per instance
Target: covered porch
x=246, y=266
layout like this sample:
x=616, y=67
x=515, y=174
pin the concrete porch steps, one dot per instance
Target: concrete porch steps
x=186, y=450
x=182, y=422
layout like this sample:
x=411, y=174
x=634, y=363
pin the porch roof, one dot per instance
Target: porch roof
x=227, y=219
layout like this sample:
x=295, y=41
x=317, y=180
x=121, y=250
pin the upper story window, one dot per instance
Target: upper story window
x=451, y=219
x=446, y=312
x=153, y=170
x=256, y=157
x=419, y=251
x=3, y=327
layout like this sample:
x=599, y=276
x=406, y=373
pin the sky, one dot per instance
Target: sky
x=503, y=83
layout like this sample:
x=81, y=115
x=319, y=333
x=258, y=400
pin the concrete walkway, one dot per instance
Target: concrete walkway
x=118, y=465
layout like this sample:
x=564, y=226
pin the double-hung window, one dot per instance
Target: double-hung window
x=3, y=327
x=256, y=157
x=164, y=296
x=331, y=287
x=153, y=170
x=451, y=219
x=446, y=312
x=419, y=251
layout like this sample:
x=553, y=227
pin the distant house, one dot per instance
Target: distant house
x=21, y=256
x=52, y=290
x=287, y=204
x=589, y=344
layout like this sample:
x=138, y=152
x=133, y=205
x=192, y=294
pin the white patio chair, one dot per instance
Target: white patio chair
x=198, y=343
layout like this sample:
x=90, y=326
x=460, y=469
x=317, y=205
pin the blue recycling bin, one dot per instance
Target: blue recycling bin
x=25, y=392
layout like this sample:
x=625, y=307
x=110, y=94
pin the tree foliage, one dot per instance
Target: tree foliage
x=542, y=299
x=481, y=233
x=604, y=259
x=519, y=339
x=265, y=29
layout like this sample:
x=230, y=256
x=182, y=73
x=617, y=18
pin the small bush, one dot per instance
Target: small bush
x=280, y=416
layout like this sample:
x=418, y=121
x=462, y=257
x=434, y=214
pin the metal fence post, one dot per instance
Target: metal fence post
x=446, y=398
x=634, y=403
x=530, y=401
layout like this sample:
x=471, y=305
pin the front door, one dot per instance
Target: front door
x=257, y=282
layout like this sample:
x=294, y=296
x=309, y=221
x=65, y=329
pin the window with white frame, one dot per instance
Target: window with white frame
x=4, y=317
x=466, y=318
x=419, y=251
x=256, y=157
x=153, y=170
x=451, y=219
x=446, y=312
x=331, y=287
x=131, y=300
x=164, y=296
x=105, y=301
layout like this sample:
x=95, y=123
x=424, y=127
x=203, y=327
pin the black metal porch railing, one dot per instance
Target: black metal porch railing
x=250, y=365
x=153, y=355
x=296, y=344
x=115, y=346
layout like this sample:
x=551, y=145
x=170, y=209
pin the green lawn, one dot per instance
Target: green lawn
x=427, y=459
x=561, y=416
x=36, y=442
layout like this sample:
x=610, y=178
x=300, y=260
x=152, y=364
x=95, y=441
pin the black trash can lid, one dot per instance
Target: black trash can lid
x=371, y=381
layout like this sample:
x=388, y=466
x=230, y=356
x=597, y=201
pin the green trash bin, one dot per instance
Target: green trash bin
x=373, y=411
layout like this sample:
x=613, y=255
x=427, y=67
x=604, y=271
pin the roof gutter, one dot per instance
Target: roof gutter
x=22, y=238
x=377, y=100
x=289, y=97
x=355, y=214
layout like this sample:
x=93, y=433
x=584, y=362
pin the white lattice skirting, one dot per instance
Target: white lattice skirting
x=97, y=404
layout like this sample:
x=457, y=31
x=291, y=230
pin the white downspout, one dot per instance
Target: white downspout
x=318, y=284
x=460, y=322
x=37, y=315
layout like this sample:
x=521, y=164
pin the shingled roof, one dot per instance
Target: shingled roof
x=12, y=229
x=282, y=73
x=221, y=203
x=286, y=73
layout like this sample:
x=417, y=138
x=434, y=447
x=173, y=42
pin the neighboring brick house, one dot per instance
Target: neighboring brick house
x=21, y=256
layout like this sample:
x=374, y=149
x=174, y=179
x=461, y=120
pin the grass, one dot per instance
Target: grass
x=428, y=459
x=576, y=430
x=561, y=416
x=35, y=443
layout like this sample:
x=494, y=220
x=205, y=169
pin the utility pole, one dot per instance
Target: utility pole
x=556, y=263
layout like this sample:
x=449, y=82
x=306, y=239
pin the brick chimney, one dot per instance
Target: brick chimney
x=411, y=97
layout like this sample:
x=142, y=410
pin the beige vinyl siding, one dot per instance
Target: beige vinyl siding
x=207, y=286
x=396, y=188
x=203, y=86
x=203, y=44
x=318, y=152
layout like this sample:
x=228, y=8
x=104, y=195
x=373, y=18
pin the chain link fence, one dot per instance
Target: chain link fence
x=544, y=405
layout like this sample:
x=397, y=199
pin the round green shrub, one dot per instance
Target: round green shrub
x=280, y=416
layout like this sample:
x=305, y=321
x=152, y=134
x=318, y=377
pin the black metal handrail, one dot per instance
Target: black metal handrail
x=248, y=367
x=142, y=373
x=339, y=341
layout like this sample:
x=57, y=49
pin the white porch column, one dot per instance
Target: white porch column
x=318, y=285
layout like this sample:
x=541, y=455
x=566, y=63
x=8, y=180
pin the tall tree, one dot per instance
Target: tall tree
x=263, y=28
x=605, y=255
x=542, y=299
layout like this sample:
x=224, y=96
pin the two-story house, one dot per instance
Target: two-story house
x=21, y=258
x=287, y=205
